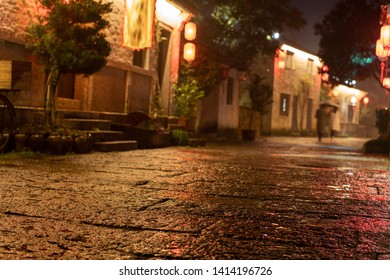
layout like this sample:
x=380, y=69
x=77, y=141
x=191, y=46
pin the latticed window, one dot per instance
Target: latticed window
x=290, y=60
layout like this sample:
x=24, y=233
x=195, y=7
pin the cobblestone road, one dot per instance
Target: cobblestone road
x=278, y=198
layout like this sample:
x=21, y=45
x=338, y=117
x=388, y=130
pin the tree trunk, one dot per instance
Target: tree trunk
x=50, y=98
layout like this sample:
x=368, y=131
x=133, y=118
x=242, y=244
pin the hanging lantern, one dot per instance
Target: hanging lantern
x=189, y=52
x=354, y=100
x=381, y=53
x=190, y=31
x=386, y=82
x=325, y=77
x=385, y=36
x=366, y=100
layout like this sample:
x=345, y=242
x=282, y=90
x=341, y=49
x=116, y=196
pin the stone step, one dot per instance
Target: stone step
x=87, y=124
x=196, y=142
x=107, y=135
x=113, y=146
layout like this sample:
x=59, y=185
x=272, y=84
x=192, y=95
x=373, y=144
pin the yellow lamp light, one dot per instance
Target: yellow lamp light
x=380, y=52
x=386, y=82
x=190, y=31
x=189, y=52
x=385, y=36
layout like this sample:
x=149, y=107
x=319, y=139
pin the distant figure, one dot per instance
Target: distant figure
x=334, y=123
x=322, y=116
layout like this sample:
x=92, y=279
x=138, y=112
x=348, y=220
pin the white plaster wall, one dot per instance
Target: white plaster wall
x=228, y=114
x=286, y=81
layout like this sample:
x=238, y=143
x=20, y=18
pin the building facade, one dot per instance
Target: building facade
x=296, y=92
x=220, y=109
x=296, y=85
x=132, y=77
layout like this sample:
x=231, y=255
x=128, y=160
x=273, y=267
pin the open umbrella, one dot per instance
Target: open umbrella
x=329, y=103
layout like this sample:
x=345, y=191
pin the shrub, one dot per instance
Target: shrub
x=180, y=137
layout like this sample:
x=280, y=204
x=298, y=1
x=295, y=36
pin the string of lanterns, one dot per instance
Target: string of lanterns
x=189, y=50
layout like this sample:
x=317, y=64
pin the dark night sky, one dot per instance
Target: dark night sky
x=314, y=11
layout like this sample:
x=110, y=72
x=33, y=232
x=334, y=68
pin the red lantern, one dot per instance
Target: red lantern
x=381, y=53
x=385, y=36
x=325, y=77
x=190, y=31
x=189, y=52
x=386, y=82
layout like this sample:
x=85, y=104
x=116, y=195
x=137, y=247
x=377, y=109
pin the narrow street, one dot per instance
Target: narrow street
x=276, y=198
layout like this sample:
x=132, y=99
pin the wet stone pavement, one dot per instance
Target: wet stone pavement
x=277, y=198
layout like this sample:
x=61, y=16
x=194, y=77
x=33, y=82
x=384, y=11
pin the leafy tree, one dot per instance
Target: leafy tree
x=348, y=37
x=235, y=31
x=260, y=93
x=68, y=37
x=187, y=93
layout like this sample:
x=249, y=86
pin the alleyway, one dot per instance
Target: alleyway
x=277, y=198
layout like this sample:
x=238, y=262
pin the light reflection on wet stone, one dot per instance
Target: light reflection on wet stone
x=264, y=200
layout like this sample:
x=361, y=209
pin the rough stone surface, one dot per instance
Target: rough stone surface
x=14, y=18
x=276, y=198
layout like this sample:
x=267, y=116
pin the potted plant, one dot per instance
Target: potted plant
x=260, y=94
x=187, y=94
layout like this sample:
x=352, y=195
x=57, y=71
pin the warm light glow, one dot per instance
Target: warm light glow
x=282, y=64
x=348, y=90
x=386, y=82
x=168, y=13
x=189, y=52
x=167, y=8
x=242, y=75
x=381, y=53
x=190, y=31
x=303, y=55
x=325, y=77
x=385, y=36
x=280, y=53
x=353, y=100
x=366, y=100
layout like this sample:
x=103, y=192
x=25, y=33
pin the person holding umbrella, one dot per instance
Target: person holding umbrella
x=334, y=122
x=322, y=116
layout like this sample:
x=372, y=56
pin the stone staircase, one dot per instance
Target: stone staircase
x=104, y=138
x=108, y=135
